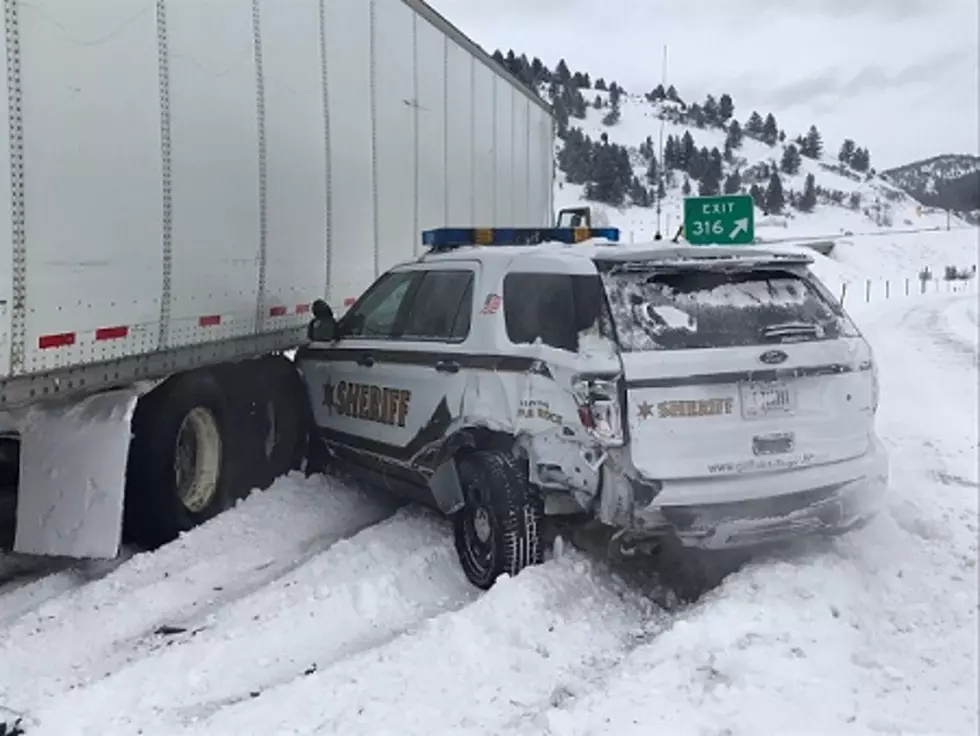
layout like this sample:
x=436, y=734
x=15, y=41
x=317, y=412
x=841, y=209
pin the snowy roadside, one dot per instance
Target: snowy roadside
x=313, y=608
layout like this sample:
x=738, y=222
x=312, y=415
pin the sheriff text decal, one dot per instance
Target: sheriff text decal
x=381, y=404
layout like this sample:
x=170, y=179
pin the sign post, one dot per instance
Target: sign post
x=725, y=220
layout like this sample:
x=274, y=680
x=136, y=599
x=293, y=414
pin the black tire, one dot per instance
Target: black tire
x=499, y=530
x=287, y=419
x=156, y=510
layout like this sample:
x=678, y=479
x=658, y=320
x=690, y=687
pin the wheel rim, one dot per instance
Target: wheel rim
x=479, y=538
x=197, y=459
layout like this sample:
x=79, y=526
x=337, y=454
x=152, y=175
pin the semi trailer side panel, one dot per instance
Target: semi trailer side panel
x=395, y=111
x=430, y=71
x=181, y=179
x=215, y=159
x=88, y=141
x=504, y=151
x=295, y=163
x=484, y=182
x=347, y=27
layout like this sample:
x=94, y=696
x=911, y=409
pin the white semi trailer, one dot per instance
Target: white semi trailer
x=179, y=181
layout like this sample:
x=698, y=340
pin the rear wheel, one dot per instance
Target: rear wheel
x=177, y=472
x=499, y=528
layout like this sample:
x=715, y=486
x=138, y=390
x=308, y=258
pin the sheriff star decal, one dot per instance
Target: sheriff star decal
x=644, y=410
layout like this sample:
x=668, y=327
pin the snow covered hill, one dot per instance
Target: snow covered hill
x=619, y=149
x=950, y=181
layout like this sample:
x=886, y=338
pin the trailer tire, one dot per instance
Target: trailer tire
x=499, y=529
x=287, y=422
x=184, y=441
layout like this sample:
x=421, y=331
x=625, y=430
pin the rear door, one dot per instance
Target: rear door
x=739, y=370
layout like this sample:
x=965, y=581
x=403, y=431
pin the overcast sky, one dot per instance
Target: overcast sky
x=899, y=76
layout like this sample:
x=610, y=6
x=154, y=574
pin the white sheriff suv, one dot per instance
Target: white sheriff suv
x=711, y=397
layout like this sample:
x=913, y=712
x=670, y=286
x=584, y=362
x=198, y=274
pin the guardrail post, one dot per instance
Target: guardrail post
x=867, y=290
x=887, y=289
x=906, y=287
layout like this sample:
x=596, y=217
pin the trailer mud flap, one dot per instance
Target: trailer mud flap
x=73, y=476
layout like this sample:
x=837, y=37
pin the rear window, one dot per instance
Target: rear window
x=705, y=309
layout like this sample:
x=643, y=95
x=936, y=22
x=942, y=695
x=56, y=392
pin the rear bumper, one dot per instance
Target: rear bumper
x=824, y=500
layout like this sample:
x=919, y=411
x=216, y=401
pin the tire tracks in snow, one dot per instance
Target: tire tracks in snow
x=84, y=634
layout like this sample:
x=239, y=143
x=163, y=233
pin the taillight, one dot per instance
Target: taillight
x=599, y=409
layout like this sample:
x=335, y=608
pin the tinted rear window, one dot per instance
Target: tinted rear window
x=704, y=309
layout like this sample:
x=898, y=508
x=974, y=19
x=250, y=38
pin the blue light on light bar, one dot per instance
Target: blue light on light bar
x=454, y=237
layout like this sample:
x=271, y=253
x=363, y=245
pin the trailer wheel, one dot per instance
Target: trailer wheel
x=177, y=474
x=285, y=422
x=499, y=529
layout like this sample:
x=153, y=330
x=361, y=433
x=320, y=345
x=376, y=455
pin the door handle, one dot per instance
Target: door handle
x=366, y=360
x=447, y=366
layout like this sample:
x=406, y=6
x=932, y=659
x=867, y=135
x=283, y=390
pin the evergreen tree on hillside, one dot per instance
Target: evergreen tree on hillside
x=775, y=200
x=733, y=183
x=791, y=160
x=612, y=117
x=597, y=102
x=671, y=154
x=600, y=84
x=653, y=172
x=758, y=196
x=710, y=182
x=686, y=189
x=698, y=163
x=615, y=93
x=770, y=130
x=734, y=137
x=846, y=153
x=711, y=111
x=812, y=143
x=657, y=94
x=661, y=191
x=560, y=112
x=808, y=200
x=726, y=109
x=754, y=125
x=696, y=115
x=639, y=194
x=562, y=73
x=861, y=160
x=672, y=94
x=687, y=151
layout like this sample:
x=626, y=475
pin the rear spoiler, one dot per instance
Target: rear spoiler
x=651, y=262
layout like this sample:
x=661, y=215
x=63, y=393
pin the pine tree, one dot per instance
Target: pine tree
x=710, y=111
x=561, y=71
x=672, y=94
x=710, y=180
x=846, y=153
x=775, y=200
x=770, y=130
x=861, y=160
x=812, y=144
x=733, y=183
x=615, y=92
x=758, y=196
x=726, y=109
x=808, y=200
x=734, y=137
x=791, y=160
x=600, y=84
x=753, y=126
x=612, y=117
x=686, y=189
x=687, y=151
x=661, y=192
x=653, y=171
x=671, y=153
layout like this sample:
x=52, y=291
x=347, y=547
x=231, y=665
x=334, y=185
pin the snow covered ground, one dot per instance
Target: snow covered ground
x=316, y=608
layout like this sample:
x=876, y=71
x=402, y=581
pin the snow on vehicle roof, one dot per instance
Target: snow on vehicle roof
x=654, y=252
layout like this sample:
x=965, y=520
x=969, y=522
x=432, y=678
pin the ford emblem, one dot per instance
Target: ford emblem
x=772, y=357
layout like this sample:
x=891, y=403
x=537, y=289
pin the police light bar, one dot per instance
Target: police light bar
x=454, y=237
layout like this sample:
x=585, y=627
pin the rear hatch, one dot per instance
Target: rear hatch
x=737, y=365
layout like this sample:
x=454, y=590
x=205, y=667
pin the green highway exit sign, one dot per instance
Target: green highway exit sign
x=723, y=220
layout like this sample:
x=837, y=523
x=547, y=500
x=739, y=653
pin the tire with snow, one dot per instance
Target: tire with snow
x=286, y=417
x=499, y=529
x=184, y=439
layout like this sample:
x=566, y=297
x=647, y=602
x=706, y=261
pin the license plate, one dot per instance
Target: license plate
x=767, y=399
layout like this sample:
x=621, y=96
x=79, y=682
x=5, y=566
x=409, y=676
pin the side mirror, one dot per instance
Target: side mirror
x=323, y=326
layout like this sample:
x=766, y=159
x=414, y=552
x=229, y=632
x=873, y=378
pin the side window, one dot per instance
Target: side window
x=553, y=307
x=442, y=307
x=376, y=314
